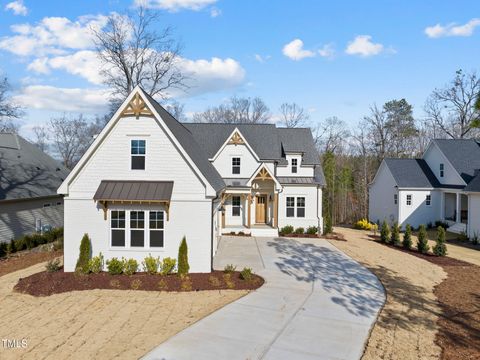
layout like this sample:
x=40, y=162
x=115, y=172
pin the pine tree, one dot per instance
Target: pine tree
x=385, y=232
x=407, y=237
x=440, y=249
x=327, y=228
x=85, y=255
x=422, y=244
x=183, y=266
x=395, y=239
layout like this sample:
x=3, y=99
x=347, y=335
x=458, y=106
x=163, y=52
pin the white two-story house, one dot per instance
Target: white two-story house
x=148, y=180
x=444, y=185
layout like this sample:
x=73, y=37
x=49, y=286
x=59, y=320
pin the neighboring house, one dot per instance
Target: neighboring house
x=148, y=180
x=442, y=186
x=29, y=179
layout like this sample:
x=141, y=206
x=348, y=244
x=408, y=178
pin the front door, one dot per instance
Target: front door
x=261, y=209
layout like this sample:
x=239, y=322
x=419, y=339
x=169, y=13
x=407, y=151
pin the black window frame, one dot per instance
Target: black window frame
x=116, y=222
x=137, y=226
x=236, y=165
x=294, y=163
x=138, y=154
x=300, y=202
x=442, y=170
x=395, y=199
x=156, y=226
x=409, y=199
x=428, y=200
x=290, y=206
x=236, y=205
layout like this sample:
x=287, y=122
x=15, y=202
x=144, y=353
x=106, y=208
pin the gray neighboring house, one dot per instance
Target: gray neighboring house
x=29, y=179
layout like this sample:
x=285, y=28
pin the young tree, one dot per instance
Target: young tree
x=9, y=110
x=385, y=232
x=85, y=255
x=183, y=266
x=395, y=238
x=293, y=116
x=407, y=237
x=327, y=227
x=422, y=244
x=440, y=248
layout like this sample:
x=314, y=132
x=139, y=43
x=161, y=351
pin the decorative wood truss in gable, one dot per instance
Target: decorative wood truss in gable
x=263, y=175
x=236, y=139
x=137, y=107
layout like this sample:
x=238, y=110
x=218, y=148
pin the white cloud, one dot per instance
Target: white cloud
x=175, y=5
x=327, y=51
x=363, y=46
x=214, y=12
x=17, y=7
x=43, y=97
x=262, y=58
x=52, y=35
x=452, y=29
x=294, y=50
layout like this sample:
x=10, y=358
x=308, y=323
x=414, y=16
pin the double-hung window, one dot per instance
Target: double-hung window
x=428, y=200
x=294, y=165
x=395, y=199
x=235, y=205
x=236, y=165
x=442, y=170
x=290, y=206
x=156, y=228
x=117, y=225
x=137, y=228
x=409, y=200
x=137, y=151
x=300, y=207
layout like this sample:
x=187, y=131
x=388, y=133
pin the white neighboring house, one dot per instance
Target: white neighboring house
x=147, y=180
x=442, y=186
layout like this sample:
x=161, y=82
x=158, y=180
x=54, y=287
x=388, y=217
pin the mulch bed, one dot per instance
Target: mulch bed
x=24, y=259
x=48, y=283
x=459, y=298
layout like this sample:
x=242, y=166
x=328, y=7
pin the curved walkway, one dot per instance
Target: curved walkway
x=316, y=303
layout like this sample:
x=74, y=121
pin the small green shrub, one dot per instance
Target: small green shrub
x=229, y=268
x=114, y=283
x=286, y=230
x=130, y=266
x=162, y=285
x=85, y=254
x=3, y=249
x=20, y=244
x=395, y=238
x=183, y=266
x=95, y=264
x=440, y=249
x=114, y=266
x=385, y=232
x=328, y=227
x=422, y=244
x=11, y=248
x=407, y=237
x=214, y=281
x=227, y=278
x=168, y=265
x=136, y=284
x=463, y=236
x=29, y=241
x=312, y=230
x=442, y=224
x=246, y=274
x=53, y=265
x=58, y=244
x=150, y=264
x=300, y=230
x=186, y=284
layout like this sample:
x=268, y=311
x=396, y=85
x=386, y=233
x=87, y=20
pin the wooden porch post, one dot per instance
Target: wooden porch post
x=275, y=210
x=249, y=200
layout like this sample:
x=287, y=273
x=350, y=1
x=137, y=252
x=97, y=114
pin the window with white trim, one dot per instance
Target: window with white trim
x=395, y=199
x=294, y=165
x=300, y=207
x=290, y=206
x=137, y=151
x=137, y=228
x=409, y=200
x=442, y=170
x=428, y=200
x=236, y=165
x=46, y=205
x=117, y=225
x=156, y=225
x=235, y=205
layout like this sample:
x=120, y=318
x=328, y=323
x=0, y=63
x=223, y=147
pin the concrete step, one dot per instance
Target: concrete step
x=264, y=232
x=457, y=228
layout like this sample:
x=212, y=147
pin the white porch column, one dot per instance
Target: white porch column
x=458, y=208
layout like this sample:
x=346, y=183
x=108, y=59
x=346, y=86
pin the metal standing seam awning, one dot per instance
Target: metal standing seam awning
x=133, y=192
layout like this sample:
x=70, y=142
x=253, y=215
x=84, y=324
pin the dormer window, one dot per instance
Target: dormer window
x=294, y=166
x=236, y=165
x=137, y=151
x=442, y=170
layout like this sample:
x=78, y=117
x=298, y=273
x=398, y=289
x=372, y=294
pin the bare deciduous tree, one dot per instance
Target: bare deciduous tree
x=9, y=111
x=41, y=137
x=133, y=53
x=293, y=116
x=452, y=108
x=177, y=110
x=330, y=134
x=237, y=111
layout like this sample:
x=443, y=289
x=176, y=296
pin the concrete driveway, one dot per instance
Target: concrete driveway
x=316, y=303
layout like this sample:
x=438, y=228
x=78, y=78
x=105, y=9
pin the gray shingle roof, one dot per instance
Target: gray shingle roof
x=473, y=185
x=25, y=171
x=412, y=173
x=463, y=154
x=299, y=140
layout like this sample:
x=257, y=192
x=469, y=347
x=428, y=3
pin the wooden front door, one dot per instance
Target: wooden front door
x=261, y=209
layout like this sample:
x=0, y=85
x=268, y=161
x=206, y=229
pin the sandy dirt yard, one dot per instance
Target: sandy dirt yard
x=97, y=324
x=406, y=326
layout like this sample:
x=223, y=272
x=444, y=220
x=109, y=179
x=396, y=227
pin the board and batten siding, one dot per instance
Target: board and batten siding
x=434, y=157
x=381, y=205
x=18, y=218
x=302, y=170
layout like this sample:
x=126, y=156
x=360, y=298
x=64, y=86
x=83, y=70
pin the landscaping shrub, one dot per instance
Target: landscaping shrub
x=363, y=224
x=287, y=229
x=422, y=244
x=395, y=238
x=136, y=284
x=150, y=264
x=300, y=230
x=183, y=266
x=95, y=264
x=186, y=284
x=58, y=244
x=246, y=274
x=30, y=241
x=168, y=265
x=229, y=268
x=227, y=278
x=11, y=247
x=475, y=238
x=85, y=254
x=20, y=244
x=114, y=266
x=53, y=265
x=385, y=232
x=3, y=249
x=312, y=230
x=440, y=249
x=463, y=236
x=214, y=281
x=114, y=283
x=162, y=285
x=442, y=224
x=328, y=227
x=407, y=237
x=130, y=266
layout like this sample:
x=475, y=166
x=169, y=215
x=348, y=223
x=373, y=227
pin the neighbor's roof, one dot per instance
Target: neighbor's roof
x=463, y=154
x=26, y=171
x=412, y=173
x=119, y=190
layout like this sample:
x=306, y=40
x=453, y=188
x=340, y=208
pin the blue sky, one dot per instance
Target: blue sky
x=333, y=58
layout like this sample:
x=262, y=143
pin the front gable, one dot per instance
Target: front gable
x=434, y=157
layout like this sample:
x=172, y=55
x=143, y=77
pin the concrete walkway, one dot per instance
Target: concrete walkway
x=316, y=303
